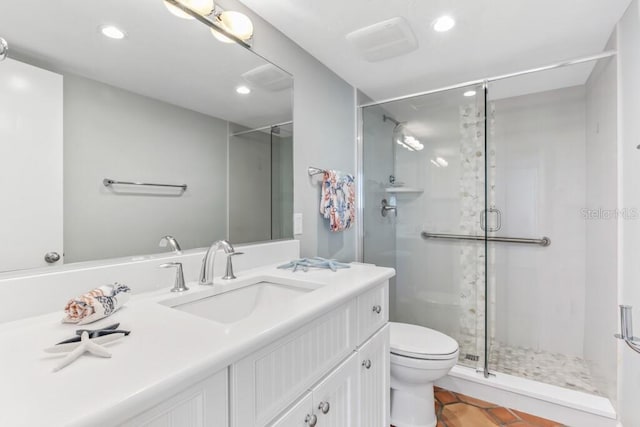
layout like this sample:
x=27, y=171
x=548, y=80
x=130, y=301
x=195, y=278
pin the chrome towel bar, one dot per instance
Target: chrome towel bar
x=109, y=182
x=545, y=241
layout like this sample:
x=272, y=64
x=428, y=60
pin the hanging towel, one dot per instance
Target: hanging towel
x=96, y=304
x=338, y=200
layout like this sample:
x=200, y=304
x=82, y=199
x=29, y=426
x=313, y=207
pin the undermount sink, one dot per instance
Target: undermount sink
x=233, y=306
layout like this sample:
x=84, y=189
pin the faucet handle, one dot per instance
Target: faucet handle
x=179, y=285
x=228, y=275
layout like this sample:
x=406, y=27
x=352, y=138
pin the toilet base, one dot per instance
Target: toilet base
x=414, y=407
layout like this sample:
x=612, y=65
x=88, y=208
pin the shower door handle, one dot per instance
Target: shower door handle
x=484, y=220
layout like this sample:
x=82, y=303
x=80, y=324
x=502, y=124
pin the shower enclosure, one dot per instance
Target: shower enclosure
x=261, y=183
x=488, y=199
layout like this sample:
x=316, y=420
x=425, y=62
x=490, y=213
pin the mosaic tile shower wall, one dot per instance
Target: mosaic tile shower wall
x=472, y=256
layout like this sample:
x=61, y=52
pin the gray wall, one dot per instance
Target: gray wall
x=378, y=163
x=250, y=187
x=282, y=187
x=109, y=132
x=324, y=131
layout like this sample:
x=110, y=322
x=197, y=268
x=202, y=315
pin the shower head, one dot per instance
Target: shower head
x=4, y=49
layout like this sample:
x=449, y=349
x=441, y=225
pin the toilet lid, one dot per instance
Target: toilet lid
x=421, y=343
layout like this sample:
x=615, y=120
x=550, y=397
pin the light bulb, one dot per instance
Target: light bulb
x=444, y=23
x=112, y=32
x=203, y=7
x=243, y=90
x=235, y=23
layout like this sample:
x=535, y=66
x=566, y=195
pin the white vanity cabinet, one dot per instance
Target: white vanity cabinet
x=331, y=403
x=332, y=372
x=204, y=404
x=373, y=361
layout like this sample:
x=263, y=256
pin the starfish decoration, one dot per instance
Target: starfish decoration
x=315, y=262
x=85, y=345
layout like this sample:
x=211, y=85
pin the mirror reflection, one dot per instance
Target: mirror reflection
x=113, y=94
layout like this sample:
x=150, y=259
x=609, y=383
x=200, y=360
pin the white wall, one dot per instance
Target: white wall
x=540, y=189
x=601, y=232
x=628, y=35
x=324, y=132
x=113, y=133
x=429, y=275
x=31, y=113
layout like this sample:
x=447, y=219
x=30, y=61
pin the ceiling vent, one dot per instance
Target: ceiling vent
x=268, y=77
x=384, y=40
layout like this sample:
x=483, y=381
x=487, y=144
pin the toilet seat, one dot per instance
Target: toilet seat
x=418, y=342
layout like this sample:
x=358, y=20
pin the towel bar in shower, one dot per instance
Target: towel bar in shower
x=545, y=241
x=109, y=182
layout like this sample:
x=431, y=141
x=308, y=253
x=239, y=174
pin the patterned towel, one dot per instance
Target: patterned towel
x=338, y=200
x=96, y=304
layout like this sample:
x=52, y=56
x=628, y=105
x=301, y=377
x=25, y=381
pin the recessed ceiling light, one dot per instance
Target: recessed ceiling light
x=444, y=23
x=470, y=93
x=243, y=90
x=112, y=32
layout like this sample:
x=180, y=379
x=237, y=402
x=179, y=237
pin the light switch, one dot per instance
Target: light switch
x=297, y=224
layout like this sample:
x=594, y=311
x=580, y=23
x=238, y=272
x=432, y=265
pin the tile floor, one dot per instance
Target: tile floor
x=458, y=410
x=550, y=368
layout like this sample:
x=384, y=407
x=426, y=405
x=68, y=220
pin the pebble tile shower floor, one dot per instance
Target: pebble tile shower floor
x=550, y=368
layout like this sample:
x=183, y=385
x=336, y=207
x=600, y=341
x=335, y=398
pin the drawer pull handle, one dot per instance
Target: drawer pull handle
x=366, y=364
x=377, y=309
x=324, y=407
x=311, y=420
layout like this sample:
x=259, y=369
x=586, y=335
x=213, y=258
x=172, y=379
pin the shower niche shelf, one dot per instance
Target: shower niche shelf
x=403, y=190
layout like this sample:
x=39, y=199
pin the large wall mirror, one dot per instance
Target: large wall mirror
x=160, y=102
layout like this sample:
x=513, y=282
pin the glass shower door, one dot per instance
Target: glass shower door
x=553, y=136
x=423, y=189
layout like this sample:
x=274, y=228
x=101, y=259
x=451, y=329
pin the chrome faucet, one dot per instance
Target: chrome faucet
x=206, y=272
x=175, y=246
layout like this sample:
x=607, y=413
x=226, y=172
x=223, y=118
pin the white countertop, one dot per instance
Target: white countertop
x=166, y=351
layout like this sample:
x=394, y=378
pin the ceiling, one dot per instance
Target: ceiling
x=163, y=57
x=491, y=37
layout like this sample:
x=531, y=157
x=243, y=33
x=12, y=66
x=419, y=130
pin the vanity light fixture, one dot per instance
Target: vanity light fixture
x=235, y=23
x=223, y=23
x=444, y=23
x=243, y=90
x=112, y=32
x=203, y=7
x=470, y=93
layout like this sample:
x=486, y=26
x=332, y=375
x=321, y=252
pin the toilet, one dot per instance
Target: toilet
x=419, y=356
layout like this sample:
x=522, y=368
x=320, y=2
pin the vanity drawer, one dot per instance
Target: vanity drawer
x=266, y=382
x=373, y=311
